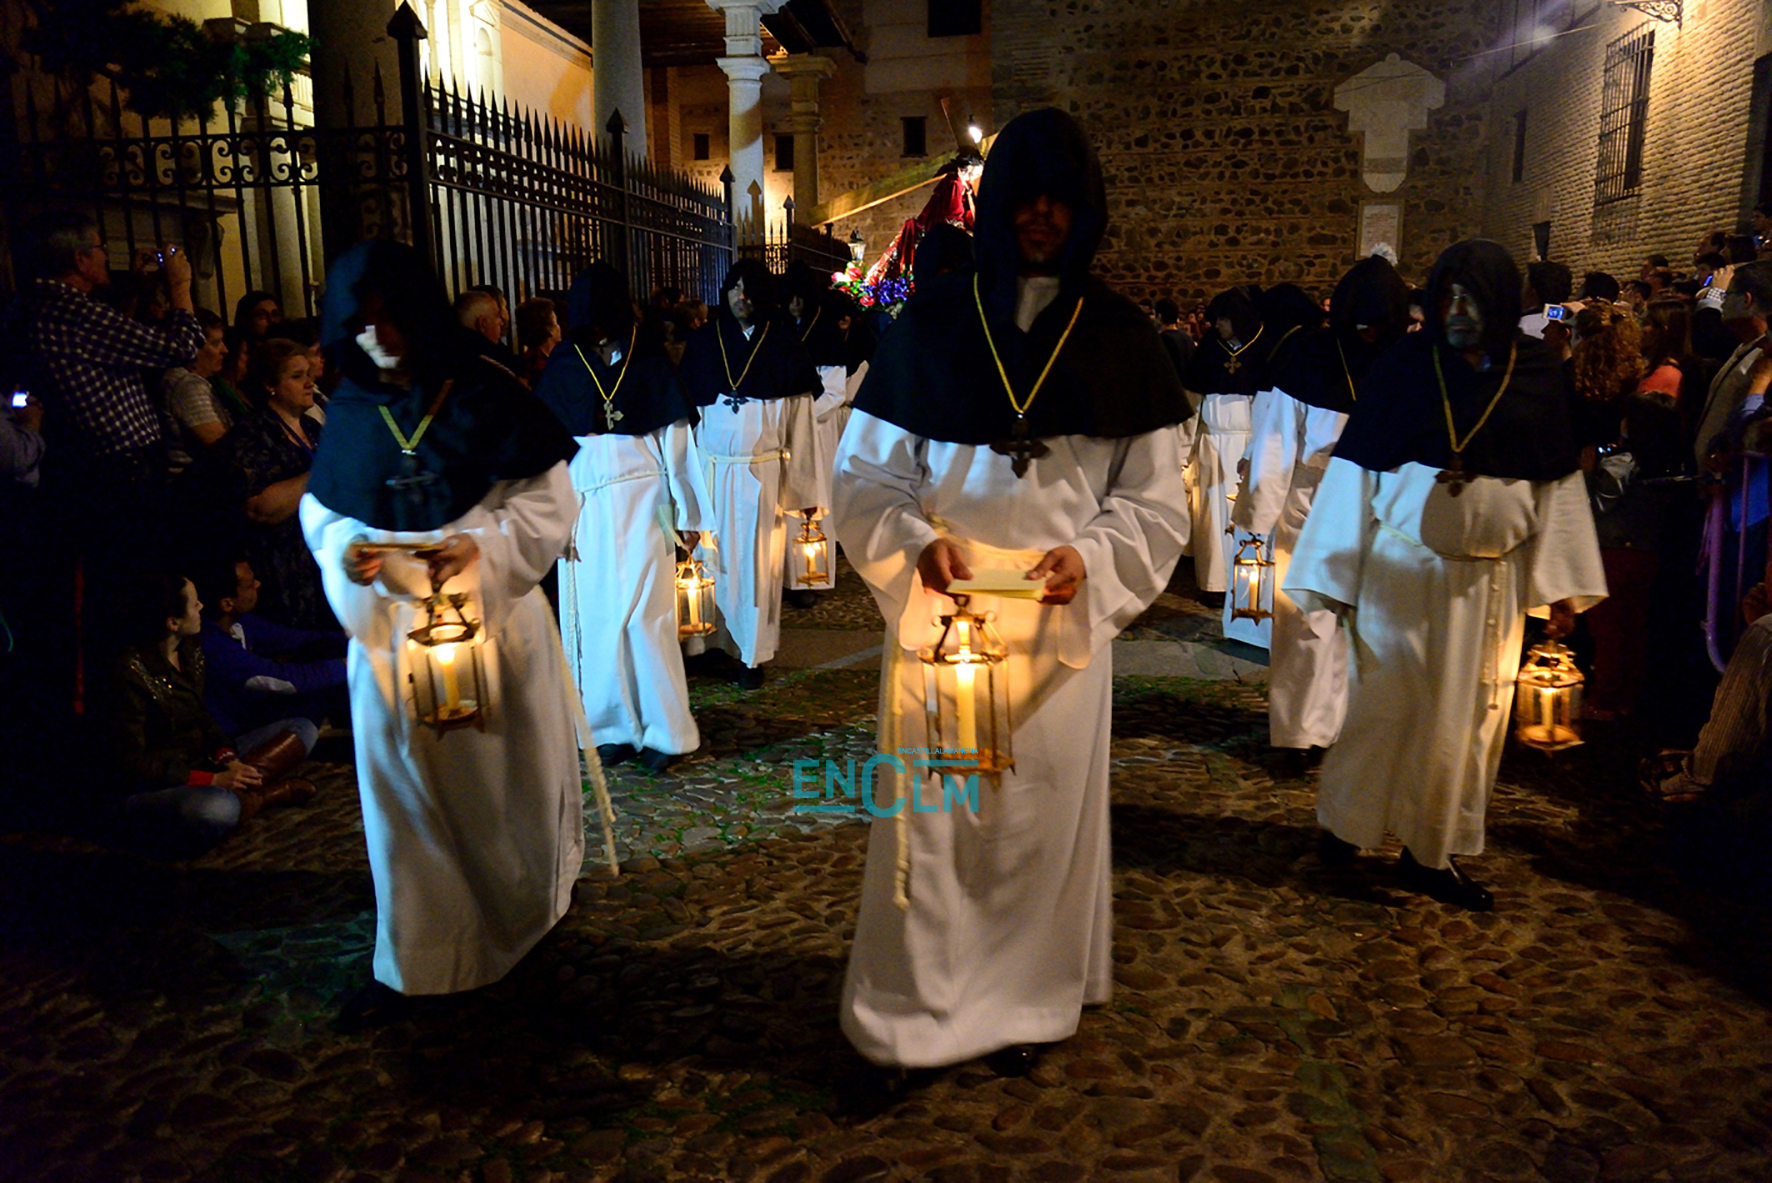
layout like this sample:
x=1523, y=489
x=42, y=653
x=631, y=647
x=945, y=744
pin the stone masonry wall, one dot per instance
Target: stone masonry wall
x=1700, y=92
x=1225, y=158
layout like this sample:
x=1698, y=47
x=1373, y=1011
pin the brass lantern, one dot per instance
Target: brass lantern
x=815, y=554
x=1547, y=699
x=447, y=669
x=695, y=600
x=966, y=692
x=1252, y=596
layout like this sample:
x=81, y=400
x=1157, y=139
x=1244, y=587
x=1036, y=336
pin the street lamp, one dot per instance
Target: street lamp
x=858, y=246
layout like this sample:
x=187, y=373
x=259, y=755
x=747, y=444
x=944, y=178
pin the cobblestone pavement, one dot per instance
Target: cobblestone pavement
x=1273, y=1019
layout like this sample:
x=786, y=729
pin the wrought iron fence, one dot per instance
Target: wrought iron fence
x=259, y=199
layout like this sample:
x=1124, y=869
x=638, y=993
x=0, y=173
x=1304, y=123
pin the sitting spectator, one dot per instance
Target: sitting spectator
x=255, y=313
x=229, y=384
x=302, y=333
x=193, y=416
x=186, y=785
x=538, y=327
x=259, y=671
x=481, y=312
x=266, y=472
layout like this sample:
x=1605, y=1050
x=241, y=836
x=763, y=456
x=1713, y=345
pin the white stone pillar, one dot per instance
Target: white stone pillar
x=618, y=81
x=804, y=71
x=745, y=66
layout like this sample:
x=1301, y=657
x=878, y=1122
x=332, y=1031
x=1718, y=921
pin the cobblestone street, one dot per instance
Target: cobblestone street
x=1274, y=1020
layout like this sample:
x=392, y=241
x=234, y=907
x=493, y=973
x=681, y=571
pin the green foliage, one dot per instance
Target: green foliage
x=166, y=65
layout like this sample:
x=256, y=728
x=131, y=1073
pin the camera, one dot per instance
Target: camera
x=1555, y=312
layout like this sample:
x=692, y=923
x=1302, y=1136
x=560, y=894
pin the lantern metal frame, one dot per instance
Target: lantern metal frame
x=446, y=625
x=968, y=644
x=815, y=554
x=695, y=600
x=1255, y=572
x=1547, y=699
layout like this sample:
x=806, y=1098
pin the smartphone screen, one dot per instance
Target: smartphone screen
x=20, y=399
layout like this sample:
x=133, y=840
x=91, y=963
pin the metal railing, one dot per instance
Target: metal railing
x=494, y=194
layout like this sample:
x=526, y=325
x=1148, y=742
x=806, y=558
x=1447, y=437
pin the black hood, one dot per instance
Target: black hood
x=1370, y=294
x=1487, y=271
x=1041, y=153
x=413, y=299
x=599, y=302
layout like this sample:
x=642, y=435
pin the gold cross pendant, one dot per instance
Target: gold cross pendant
x=1232, y=365
x=1023, y=449
x=1453, y=478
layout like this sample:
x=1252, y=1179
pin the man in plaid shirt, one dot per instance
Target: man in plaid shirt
x=104, y=475
x=86, y=360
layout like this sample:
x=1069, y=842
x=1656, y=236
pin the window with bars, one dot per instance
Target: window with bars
x=1519, y=170
x=1624, y=116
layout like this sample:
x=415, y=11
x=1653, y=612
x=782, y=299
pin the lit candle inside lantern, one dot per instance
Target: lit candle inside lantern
x=964, y=675
x=694, y=599
x=451, y=690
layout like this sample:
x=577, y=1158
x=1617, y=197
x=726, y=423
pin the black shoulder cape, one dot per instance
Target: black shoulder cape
x=1325, y=368
x=933, y=374
x=647, y=397
x=1215, y=370
x=1400, y=417
x=488, y=429
x=780, y=367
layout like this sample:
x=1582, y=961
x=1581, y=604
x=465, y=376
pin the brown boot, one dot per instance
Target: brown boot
x=278, y=756
x=251, y=802
x=293, y=791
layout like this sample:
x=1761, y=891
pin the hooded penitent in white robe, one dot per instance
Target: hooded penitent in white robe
x=1220, y=435
x=1009, y=928
x=618, y=604
x=761, y=464
x=1307, y=666
x=1434, y=591
x=475, y=837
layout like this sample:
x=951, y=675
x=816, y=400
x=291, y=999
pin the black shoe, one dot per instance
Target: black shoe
x=870, y=1090
x=1292, y=763
x=612, y=754
x=801, y=598
x=372, y=1006
x=1449, y=886
x=653, y=760
x=1333, y=851
x=749, y=677
x=1017, y=1059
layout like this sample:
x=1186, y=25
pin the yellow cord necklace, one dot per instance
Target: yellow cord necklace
x=1454, y=476
x=611, y=416
x=1019, y=445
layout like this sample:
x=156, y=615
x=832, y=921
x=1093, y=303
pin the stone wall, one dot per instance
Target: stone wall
x=1225, y=157
x=1695, y=153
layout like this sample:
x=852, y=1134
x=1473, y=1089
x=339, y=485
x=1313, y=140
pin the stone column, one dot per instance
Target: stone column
x=745, y=66
x=351, y=43
x=618, y=81
x=804, y=71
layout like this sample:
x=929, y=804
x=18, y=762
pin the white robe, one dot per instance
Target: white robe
x=829, y=412
x=1221, y=434
x=1009, y=930
x=475, y=837
x=618, y=599
x=761, y=463
x=1307, y=666
x=1439, y=587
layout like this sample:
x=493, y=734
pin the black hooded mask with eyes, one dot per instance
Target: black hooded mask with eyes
x=636, y=394
x=935, y=374
x=1371, y=300
x=1400, y=417
x=487, y=429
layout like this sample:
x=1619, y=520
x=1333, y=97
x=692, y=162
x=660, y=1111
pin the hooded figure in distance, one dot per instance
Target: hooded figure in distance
x=640, y=492
x=1017, y=443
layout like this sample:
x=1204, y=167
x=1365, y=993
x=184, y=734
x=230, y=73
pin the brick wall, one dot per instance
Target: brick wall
x=1700, y=98
x=1225, y=158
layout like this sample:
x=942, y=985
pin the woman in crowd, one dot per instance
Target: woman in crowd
x=194, y=416
x=186, y=785
x=269, y=456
